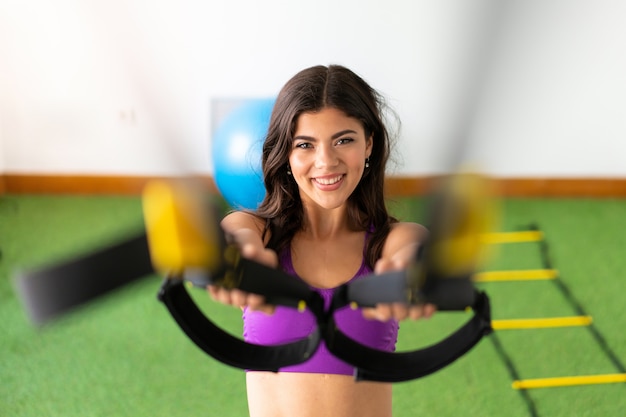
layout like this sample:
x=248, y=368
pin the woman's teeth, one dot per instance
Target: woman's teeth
x=329, y=181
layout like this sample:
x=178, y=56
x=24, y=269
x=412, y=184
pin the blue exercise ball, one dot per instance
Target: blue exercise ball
x=236, y=151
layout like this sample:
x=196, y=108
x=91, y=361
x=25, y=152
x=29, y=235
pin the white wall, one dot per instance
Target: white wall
x=556, y=104
x=125, y=86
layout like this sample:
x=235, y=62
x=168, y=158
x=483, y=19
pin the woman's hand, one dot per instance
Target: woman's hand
x=402, y=244
x=251, y=247
x=397, y=311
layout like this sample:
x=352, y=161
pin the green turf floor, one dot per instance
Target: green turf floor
x=124, y=356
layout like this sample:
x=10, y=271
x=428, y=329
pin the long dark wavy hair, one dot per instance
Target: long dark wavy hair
x=311, y=90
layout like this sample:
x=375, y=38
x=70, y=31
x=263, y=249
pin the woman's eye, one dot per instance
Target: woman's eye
x=344, y=141
x=303, y=145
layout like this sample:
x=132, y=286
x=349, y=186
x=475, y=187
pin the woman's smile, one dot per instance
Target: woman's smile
x=329, y=182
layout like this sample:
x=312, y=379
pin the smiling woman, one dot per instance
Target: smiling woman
x=325, y=222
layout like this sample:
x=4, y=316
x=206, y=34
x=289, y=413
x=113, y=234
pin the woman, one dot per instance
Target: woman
x=323, y=220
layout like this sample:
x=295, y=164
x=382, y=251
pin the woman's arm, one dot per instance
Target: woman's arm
x=399, y=250
x=245, y=231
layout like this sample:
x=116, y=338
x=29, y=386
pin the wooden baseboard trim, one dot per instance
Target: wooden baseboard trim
x=563, y=187
x=524, y=187
x=395, y=186
x=82, y=184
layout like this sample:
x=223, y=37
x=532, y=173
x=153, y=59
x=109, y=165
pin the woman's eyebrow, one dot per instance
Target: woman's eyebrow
x=343, y=132
x=334, y=136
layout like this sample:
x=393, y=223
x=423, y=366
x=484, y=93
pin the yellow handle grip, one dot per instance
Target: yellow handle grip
x=467, y=211
x=182, y=228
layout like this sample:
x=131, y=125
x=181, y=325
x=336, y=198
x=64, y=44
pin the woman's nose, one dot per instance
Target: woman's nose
x=325, y=157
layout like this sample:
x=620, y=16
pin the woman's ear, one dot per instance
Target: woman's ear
x=369, y=145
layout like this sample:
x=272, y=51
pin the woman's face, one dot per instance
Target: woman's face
x=328, y=156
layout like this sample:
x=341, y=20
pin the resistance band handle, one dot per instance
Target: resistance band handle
x=225, y=347
x=446, y=293
x=278, y=287
x=373, y=289
x=275, y=285
x=376, y=365
x=450, y=293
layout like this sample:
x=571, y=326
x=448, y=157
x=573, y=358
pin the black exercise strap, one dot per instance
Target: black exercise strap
x=376, y=365
x=49, y=292
x=278, y=288
x=370, y=364
x=225, y=347
x=448, y=294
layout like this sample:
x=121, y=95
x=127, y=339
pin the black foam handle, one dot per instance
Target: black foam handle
x=449, y=294
x=276, y=286
x=51, y=291
x=384, y=288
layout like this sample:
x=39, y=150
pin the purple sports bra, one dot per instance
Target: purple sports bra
x=287, y=325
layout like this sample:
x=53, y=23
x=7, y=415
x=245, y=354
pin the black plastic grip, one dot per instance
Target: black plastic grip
x=384, y=288
x=449, y=294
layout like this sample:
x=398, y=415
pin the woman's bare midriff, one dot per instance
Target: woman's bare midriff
x=287, y=394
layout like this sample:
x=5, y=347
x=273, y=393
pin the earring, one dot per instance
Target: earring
x=367, y=162
x=288, y=170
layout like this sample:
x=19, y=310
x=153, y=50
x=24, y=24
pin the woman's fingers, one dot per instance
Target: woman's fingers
x=381, y=312
x=257, y=303
x=421, y=311
x=399, y=311
x=239, y=299
x=384, y=265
